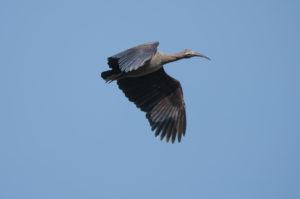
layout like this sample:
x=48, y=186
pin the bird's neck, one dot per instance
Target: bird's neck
x=167, y=58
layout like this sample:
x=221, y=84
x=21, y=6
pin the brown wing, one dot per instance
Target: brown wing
x=161, y=97
x=133, y=58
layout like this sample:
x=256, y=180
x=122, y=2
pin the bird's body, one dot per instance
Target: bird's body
x=153, y=65
x=140, y=75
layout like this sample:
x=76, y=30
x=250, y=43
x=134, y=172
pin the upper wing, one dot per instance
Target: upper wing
x=161, y=97
x=133, y=58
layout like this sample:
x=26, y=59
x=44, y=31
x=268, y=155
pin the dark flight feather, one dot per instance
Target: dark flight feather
x=161, y=97
x=133, y=58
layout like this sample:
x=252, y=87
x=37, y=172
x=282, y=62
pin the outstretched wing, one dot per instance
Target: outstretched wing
x=133, y=58
x=161, y=97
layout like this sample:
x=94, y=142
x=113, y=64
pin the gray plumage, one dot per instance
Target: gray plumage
x=140, y=75
x=133, y=58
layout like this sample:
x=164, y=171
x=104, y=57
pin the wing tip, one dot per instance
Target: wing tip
x=152, y=43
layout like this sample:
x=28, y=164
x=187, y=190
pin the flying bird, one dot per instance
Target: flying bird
x=140, y=75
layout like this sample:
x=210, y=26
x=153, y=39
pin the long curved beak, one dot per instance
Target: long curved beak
x=200, y=55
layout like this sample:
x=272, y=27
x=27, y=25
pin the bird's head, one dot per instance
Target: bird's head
x=189, y=53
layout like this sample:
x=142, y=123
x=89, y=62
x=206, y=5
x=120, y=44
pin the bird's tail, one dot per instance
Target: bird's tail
x=110, y=75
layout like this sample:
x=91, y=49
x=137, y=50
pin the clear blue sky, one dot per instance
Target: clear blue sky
x=64, y=133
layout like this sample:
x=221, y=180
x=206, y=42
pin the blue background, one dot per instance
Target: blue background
x=67, y=134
